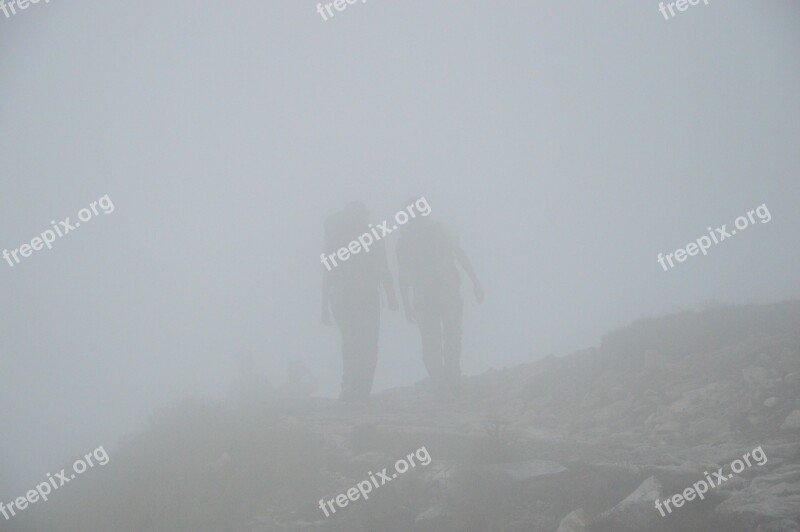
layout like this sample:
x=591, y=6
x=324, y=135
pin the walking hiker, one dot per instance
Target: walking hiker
x=427, y=256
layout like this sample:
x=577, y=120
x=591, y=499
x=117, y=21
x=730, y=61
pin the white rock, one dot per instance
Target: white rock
x=772, y=496
x=756, y=377
x=792, y=421
x=574, y=521
x=637, y=511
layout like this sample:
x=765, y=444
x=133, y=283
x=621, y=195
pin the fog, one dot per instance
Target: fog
x=565, y=144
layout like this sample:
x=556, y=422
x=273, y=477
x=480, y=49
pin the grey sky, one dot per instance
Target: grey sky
x=565, y=143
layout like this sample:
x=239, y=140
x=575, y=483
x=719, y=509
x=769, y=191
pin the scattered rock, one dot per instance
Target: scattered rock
x=781, y=525
x=756, y=377
x=792, y=421
x=637, y=511
x=575, y=521
x=771, y=402
x=431, y=519
x=767, y=498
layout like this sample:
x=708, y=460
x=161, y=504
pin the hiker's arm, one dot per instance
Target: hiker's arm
x=325, y=306
x=402, y=280
x=466, y=264
x=386, y=278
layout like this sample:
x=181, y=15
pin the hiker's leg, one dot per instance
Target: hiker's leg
x=429, y=321
x=346, y=323
x=349, y=368
x=451, y=334
x=369, y=324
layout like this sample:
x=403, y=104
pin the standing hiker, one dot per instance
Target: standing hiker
x=350, y=290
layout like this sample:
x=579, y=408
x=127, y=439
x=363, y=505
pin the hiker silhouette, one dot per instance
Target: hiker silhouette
x=351, y=292
x=430, y=288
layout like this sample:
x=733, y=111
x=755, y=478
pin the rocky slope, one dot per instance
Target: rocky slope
x=585, y=442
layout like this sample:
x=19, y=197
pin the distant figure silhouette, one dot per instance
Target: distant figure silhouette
x=351, y=291
x=301, y=383
x=426, y=256
x=249, y=388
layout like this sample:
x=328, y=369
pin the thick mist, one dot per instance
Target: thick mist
x=565, y=145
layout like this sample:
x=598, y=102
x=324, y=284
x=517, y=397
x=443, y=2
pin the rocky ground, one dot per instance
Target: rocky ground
x=585, y=442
